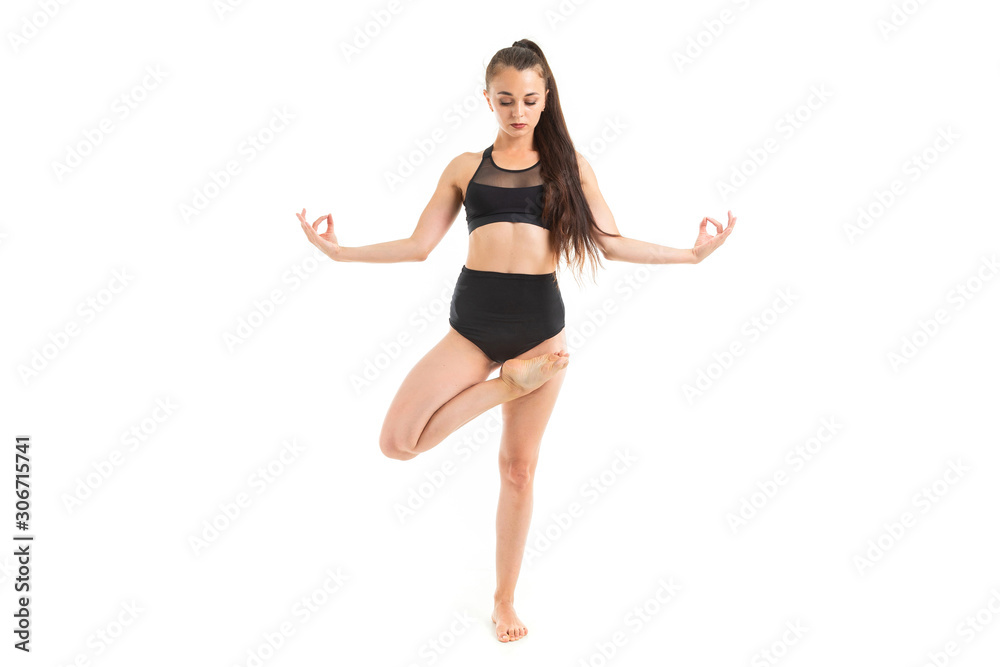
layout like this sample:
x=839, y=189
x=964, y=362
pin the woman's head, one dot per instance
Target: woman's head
x=520, y=88
x=516, y=97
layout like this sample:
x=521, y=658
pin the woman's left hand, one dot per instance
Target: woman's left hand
x=705, y=244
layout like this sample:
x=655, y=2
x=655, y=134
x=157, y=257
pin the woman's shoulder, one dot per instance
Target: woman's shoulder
x=586, y=171
x=464, y=160
x=464, y=165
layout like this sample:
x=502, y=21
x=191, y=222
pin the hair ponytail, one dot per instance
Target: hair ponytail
x=573, y=225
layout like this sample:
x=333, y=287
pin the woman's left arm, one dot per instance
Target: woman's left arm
x=624, y=249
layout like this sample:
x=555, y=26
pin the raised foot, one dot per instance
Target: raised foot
x=509, y=626
x=529, y=374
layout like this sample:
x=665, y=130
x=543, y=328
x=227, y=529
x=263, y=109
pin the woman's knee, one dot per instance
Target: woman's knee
x=518, y=473
x=396, y=447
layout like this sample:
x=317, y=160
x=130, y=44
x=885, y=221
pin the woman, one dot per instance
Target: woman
x=529, y=199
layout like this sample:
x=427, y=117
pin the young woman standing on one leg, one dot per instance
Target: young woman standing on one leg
x=530, y=198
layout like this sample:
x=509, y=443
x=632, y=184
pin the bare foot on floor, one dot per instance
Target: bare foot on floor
x=509, y=626
x=530, y=374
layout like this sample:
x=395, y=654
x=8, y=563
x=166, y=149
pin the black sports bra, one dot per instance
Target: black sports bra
x=495, y=194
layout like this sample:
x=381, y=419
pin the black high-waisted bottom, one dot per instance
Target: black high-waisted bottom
x=506, y=314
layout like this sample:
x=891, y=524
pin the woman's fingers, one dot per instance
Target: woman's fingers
x=312, y=231
x=718, y=225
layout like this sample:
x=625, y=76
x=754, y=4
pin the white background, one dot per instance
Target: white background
x=682, y=130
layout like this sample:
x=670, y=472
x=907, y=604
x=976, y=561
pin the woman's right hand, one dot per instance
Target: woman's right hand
x=327, y=241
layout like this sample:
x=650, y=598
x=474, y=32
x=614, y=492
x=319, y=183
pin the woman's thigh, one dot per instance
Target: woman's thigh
x=525, y=418
x=448, y=369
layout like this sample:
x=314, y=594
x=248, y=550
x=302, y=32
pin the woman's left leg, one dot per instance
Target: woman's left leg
x=524, y=422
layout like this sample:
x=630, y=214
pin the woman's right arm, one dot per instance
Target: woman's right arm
x=434, y=222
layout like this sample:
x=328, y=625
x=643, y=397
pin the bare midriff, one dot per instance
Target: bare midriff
x=510, y=247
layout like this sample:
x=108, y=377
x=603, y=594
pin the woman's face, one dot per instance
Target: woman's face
x=517, y=100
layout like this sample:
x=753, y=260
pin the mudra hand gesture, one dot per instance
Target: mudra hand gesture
x=327, y=241
x=704, y=245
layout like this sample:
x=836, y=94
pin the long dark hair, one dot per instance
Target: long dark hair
x=573, y=224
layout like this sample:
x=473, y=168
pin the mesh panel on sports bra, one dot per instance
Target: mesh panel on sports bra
x=490, y=174
x=495, y=194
